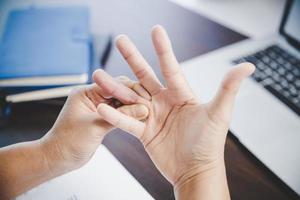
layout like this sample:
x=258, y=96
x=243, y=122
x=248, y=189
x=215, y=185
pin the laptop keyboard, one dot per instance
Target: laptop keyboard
x=279, y=72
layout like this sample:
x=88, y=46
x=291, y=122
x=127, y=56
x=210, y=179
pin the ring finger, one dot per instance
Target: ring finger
x=135, y=86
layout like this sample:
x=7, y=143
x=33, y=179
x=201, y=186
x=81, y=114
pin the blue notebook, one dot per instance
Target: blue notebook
x=45, y=46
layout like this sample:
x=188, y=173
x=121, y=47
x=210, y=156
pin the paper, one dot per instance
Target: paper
x=103, y=177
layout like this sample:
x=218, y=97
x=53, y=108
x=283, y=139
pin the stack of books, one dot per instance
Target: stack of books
x=46, y=52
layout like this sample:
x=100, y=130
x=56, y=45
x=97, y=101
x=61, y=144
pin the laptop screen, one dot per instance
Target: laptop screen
x=291, y=27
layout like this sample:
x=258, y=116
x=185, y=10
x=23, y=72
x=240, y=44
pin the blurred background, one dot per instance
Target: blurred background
x=101, y=26
x=245, y=22
x=48, y=47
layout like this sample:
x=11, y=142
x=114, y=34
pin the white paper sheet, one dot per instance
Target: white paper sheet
x=103, y=177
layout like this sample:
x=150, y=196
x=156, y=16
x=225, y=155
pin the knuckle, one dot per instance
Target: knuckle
x=141, y=73
x=129, y=55
x=171, y=72
x=111, y=90
x=228, y=88
x=166, y=51
x=130, y=127
x=117, y=122
x=127, y=111
x=78, y=90
x=136, y=87
x=122, y=78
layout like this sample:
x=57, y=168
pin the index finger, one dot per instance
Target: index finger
x=114, y=88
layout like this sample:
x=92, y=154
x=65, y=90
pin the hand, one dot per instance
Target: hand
x=79, y=129
x=183, y=137
x=74, y=137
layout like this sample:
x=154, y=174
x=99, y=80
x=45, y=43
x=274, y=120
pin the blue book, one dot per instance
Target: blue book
x=45, y=47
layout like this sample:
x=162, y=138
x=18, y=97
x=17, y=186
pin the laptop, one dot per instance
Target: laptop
x=266, y=116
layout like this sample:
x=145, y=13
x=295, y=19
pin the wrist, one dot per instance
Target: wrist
x=197, y=171
x=205, y=182
x=54, y=157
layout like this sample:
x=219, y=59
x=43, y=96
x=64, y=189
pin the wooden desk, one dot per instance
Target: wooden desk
x=192, y=35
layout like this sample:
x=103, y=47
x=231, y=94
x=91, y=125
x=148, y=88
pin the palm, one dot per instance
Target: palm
x=177, y=132
x=181, y=135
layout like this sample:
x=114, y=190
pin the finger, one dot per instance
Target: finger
x=102, y=92
x=120, y=120
x=138, y=64
x=94, y=93
x=168, y=63
x=137, y=111
x=115, y=89
x=224, y=100
x=135, y=86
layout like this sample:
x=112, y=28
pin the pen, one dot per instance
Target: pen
x=106, y=52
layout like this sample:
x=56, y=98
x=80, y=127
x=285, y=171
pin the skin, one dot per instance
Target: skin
x=184, y=137
x=75, y=136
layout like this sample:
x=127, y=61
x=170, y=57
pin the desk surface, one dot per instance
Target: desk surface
x=192, y=35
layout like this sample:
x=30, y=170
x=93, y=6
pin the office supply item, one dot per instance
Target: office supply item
x=100, y=48
x=106, y=53
x=266, y=118
x=103, y=177
x=102, y=45
x=45, y=46
x=43, y=94
x=100, y=53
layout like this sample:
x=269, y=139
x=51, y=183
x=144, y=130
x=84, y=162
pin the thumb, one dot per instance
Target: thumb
x=222, y=104
x=137, y=111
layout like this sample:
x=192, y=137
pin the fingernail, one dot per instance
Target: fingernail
x=142, y=111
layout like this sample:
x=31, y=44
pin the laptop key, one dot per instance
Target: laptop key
x=297, y=84
x=277, y=87
x=290, y=77
x=296, y=72
x=294, y=106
